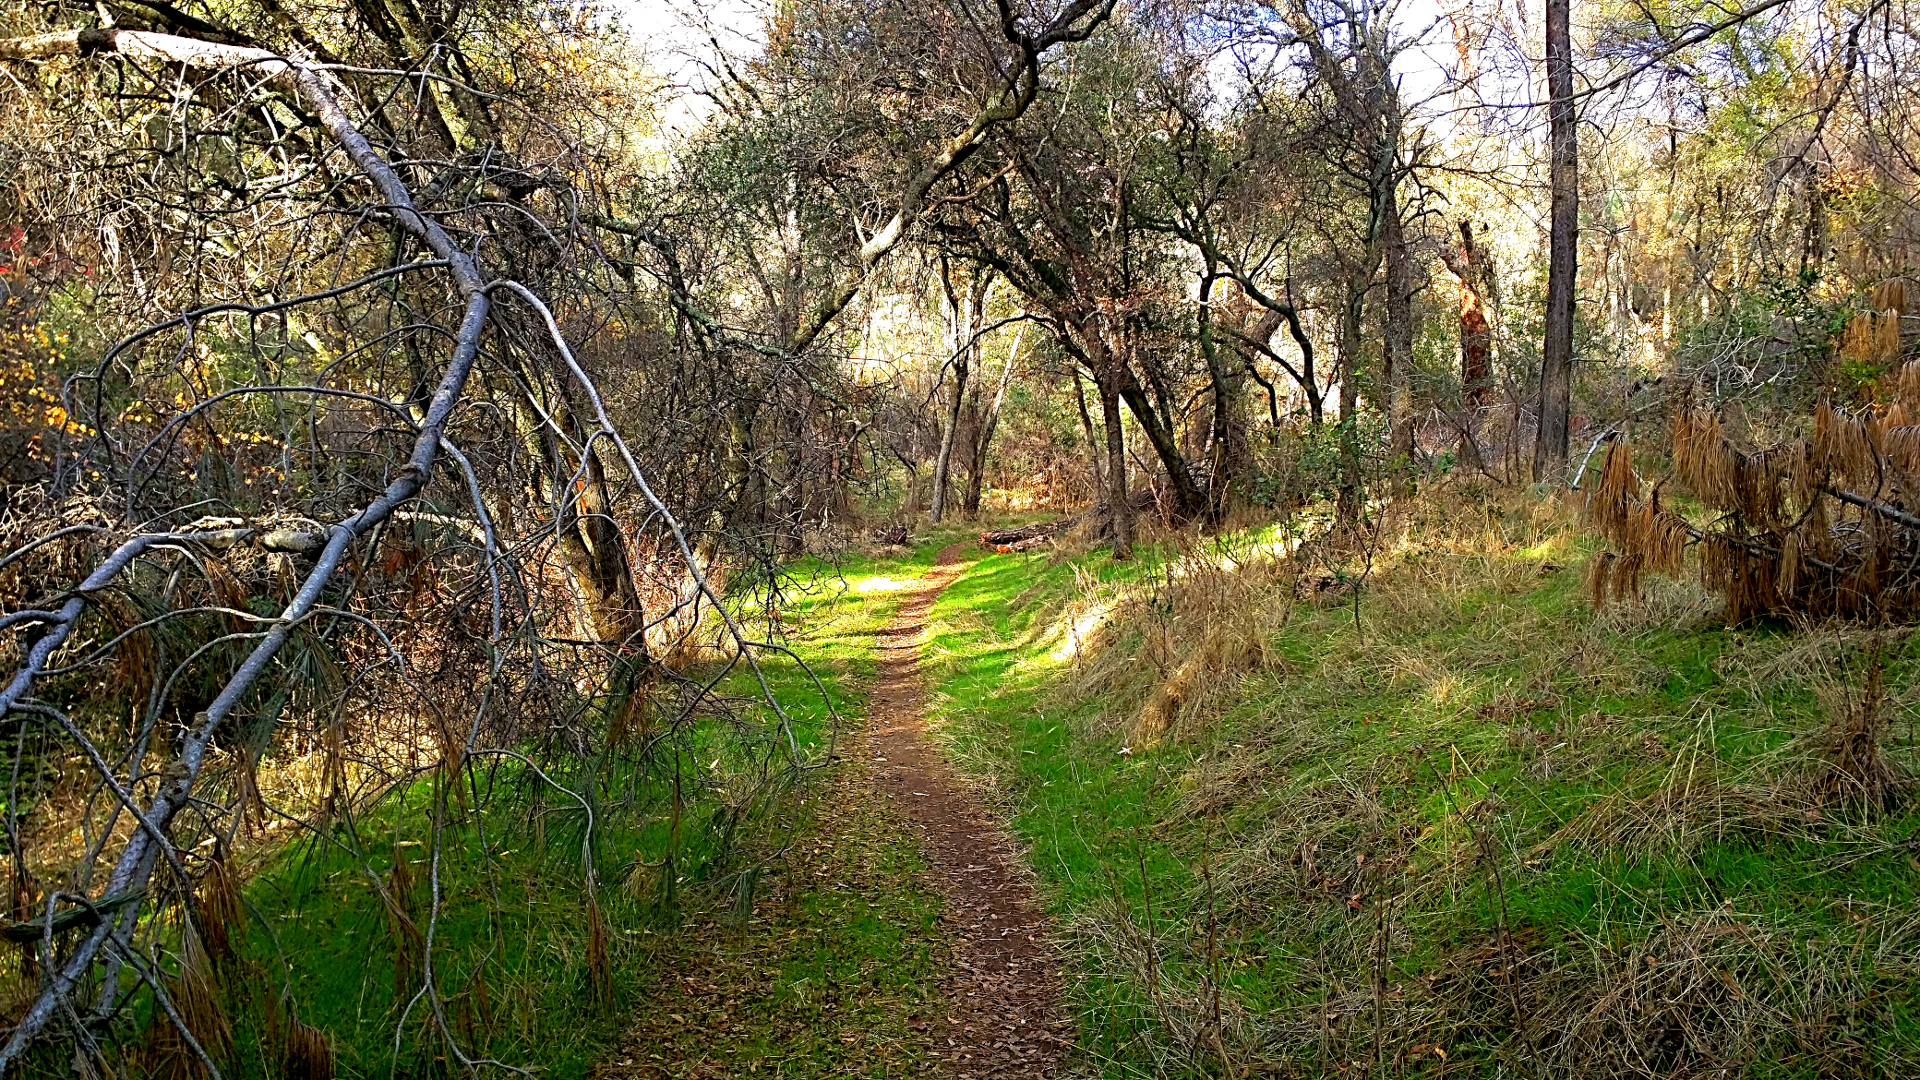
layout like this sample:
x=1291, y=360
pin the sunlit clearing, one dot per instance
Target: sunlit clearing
x=879, y=585
x=1279, y=548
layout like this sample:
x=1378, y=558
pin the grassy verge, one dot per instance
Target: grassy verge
x=754, y=958
x=1464, y=826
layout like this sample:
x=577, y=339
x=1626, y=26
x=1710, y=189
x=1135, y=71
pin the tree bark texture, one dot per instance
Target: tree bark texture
x=943, y=461
x=1094, y=455
x=1228, y=456
x=966, y=314
x=1476, y=333
x=1398, y=335
x=1556, y=356
x=985, y=423
x=1476, y=346
x=1119, y=510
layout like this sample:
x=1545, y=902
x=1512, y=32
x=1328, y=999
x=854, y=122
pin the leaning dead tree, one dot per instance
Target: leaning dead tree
x=83, y=939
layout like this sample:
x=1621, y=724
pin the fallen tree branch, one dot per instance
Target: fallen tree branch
x=316, y=89
x=1874, y=506
x=1035, y=531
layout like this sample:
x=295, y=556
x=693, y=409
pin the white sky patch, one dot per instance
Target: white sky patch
x=677, y=38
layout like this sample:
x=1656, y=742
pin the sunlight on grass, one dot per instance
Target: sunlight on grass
x=1235, y=800
x=1081, y=629
x=513, y=951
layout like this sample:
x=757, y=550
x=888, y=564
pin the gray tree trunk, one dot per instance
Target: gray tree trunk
x=1399, y=328
x=943, y=462
x=984, y=428
x=1119, y=510
x=1556, y=356
x=966, y=314
x=1093, y=444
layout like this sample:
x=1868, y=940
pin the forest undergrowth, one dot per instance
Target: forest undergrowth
x=1411, y=806
x=1407, y=804
x=703, y=956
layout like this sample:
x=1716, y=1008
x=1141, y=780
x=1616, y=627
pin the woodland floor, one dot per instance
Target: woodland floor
x=1233, y=800
x=906, y=938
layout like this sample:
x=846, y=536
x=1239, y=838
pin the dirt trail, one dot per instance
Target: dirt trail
x=1007, y=1018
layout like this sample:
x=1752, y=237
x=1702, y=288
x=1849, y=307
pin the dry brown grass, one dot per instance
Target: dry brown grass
x=1696, y=805
x=198, y=1007
x=1373, y=809
x=599, y=967
x=1171, y=649
x=1714, y=992
x=309, y=1053
x=1792, y=793
x=1854, y=766
x=403, y=928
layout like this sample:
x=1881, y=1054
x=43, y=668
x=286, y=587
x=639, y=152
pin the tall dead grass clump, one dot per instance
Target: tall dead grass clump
x=1437, y=820
x=1663, y=603
x=1700, y=993
x=473, y=1015
x=192, y=1030
x=308, y=1053
x=1706, y=991
x=1171, y=649
x=1853, y=768
x=599, y=964
x=1847, y=761
x=629, y=709
x=403, y=931
x=217, y=993
x=217, y=911
x=1695, y=805
x=1819, y=525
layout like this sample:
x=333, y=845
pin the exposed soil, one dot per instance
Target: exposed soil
x=1006, y=1016
x=976, y=993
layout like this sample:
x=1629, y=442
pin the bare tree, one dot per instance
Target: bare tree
x=985, y=419
x=409, y=278
x=966, y=316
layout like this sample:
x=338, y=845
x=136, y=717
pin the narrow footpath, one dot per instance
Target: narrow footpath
x=1006, y=1016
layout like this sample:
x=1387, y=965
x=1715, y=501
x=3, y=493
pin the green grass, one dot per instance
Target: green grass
x=832, y=975
x=1568, y=844
x=1498, y=799
x=513, y=939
